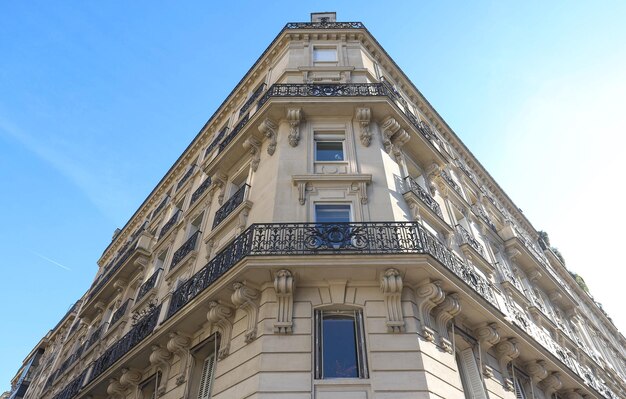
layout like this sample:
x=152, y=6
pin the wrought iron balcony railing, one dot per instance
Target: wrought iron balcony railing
x=148, y=284
x=200, y=190
x=230, y=205
x=466, y=238
x=413, y=186
x=485, y=218
x=325, y=25
x=238, y=127
x=121, y=311
x=451, y=182
x=329, y=238
x=72, y=388
x=216, y=141
x=185, y=249
x=160, y=207
x=251, y=100
x=169, y=224
x=141, y=330
x=186, y=176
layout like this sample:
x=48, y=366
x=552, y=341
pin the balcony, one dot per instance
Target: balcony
x=187, y=248
x=185, y=177
x=450, y=181
x=251, y=100
x=148, y=285
x=200, y=190
x=474, y=251
x=120, y=312
x=293, y=239
x=230, y=205
x=169, y=224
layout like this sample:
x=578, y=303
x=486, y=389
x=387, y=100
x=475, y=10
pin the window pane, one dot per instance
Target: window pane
x=332, y=213
x=329, y=151
x=325, y=55
x=339, y=347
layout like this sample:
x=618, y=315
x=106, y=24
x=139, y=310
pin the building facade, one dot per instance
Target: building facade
x=327, y=235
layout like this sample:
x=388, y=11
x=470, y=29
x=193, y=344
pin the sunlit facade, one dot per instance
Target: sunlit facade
x=327, y=235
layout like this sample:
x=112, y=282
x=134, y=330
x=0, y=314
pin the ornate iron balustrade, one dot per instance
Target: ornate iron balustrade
x=72, y=388
x=416, y=189
x=238, y=127
x=138, y=333
x=324, y=90
x=161, y=206
x=466, y=238
x=451, y=182
x=185, y=177
x=251, y=100
x=485, y=218
x=466, y=170
x=200, y=190
x=216, y=141
x=325, y=25
x=328, y=238
x=169, y=224
x=185, y=249
x=94, y=337
x=148, y=284
x=230, y=205
x=121, y=311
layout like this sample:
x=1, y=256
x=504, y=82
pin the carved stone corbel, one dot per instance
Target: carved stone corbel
x=513, y=254
x=179, y=345
x=360, y=187
x=506, y=351
x=536, y=370
x=220, y=181
x=363, y=115
x=284, y=285
x=429, y=294
x=268, y=129
x=389, y=127
x=245, y=298
x=116, y=390
x=130, y=379
x=302, y=192
x=444, y=312
x=398, y=141
x=120, y=285
x=572, y=394
x=242, y=220
x=391, y=286
x=434, y=178
x=209, y=248
x=294, y=117
x=487, y=334
x=254, y=146
x=160, y=357
x=551, y=384
x=219, y=315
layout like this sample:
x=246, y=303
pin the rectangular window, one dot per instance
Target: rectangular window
x=332, y=213
x=329, y=151
x=324, y=54
x=339, y=344
x=206, y=377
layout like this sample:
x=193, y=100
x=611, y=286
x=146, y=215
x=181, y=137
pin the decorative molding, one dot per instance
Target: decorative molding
x=444, y=312
x=220, y=180
x=268, y=129
x=254, y=146
x=160, y=357
x=429, y=294
x=358, y=183
x=219, y=315
x=572, y=394
x=551, y=384
x=506, y=352
x=391, y=286
x=245, y=298
x=536, y=369
x=363, y=115
x=284, y=284
x=179, y=344
x=116, y=389
x=389, y=127
x=487, y=334
x=294, y=116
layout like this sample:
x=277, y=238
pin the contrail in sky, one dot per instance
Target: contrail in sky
x=51, y=261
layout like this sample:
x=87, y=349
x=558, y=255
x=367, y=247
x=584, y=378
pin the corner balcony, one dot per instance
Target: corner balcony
x=423, y=205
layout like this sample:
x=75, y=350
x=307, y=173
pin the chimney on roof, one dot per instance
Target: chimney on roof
x=323, y=17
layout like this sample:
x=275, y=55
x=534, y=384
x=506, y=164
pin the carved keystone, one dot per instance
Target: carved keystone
x=391, y=286
x=219, y=315
x=284, y=285
x=428, y=295
x=245, y=298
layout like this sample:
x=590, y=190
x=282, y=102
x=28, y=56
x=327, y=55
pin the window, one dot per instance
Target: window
x=206, y=377
x=332, y=213
x=203, y=371
x=150, y=387
x=339, y=344
x=324, y=54
x=329, y=151
x=471, y=379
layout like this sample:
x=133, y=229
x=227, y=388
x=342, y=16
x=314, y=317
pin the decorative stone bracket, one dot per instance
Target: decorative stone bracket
x=429, y=294
x=179, y=344
x=160, y=357
x=245, y=298
x=130, y=379
x=294, y=117
x=488, y=336
x=284, y=284
x=393, y=137
x=254, y=146
x=536, y=370
x=220, y=180
x=363, y=115
x=551, y=384
x=219, y=315
x=506, y=351
x=268, y=129
x=391, y=286
x=444, y=312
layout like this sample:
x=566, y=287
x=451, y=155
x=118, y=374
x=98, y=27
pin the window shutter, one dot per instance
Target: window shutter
x=206, y=380
x=472, y=375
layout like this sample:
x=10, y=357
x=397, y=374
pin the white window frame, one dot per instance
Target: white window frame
x=320, y=50
x=330, y=137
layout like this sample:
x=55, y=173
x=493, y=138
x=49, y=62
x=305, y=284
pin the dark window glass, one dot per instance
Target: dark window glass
x=329, y=151
x=330, y=213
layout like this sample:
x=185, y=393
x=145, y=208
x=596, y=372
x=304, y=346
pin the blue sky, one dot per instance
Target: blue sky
x=98, y=99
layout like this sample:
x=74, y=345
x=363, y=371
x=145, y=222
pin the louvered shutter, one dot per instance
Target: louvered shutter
x=472, y=375
x=519, y=389
x=206, y=379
